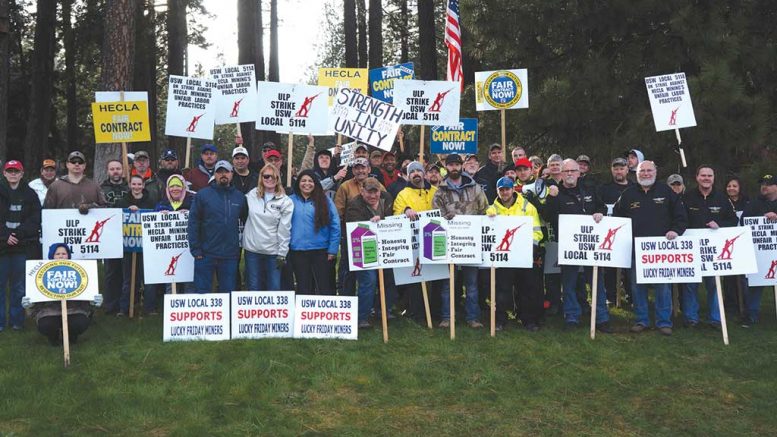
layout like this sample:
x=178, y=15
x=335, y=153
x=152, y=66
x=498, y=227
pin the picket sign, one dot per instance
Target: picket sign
x=670, y=103
x=764, y=234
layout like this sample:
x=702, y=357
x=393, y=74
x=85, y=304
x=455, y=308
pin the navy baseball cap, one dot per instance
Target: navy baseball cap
x=169, y=155
x=209, y=147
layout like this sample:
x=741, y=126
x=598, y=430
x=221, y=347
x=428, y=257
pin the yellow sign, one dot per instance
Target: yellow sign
x=121, y=122
x=334, y=78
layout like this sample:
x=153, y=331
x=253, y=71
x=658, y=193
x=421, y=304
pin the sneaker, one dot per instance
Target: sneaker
x=692, y=324
x=637, y=328
x=499, y=327
x=604, y=328
x=152, y=313
x=474, y=324
x=667, y=331
x=747, y=322
x=531, y=327
x=444, y=324
x=119, y=315
x=365, y=324
x=715, y=325
x=17, y=327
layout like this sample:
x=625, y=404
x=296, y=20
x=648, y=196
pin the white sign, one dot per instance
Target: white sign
x=508, y=241
x=116, y=96
x=583, y=242
x=419, y=272
x=326, y=317
x=262, y=314
x=386, y=244
x=670, y=101
x=764, y=234
x=96, y=235
x=501, y=89
x=191, y=107
x=429, y=103
x=166, y=256
x=196, y=317
x=236, y=95
x=292, y=108
x=662, y=261
x=456, y=241
x=60, y=280
x=725, y=251
x=365, y=119
x=346, y=153
x=550, y=264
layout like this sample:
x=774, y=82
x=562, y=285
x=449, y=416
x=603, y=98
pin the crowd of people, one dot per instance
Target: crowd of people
x=289, y=237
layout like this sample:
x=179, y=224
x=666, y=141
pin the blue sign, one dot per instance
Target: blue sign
x=131, y=229
x=462, y=138
x=382, y=80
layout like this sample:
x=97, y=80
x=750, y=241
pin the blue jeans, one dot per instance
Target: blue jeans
x=663, y=302
x=12, y=273
x=368, y=280
x=753, y=302
x=262, y=272
x=471, y=306
x=691, y=300
x=572, y=309
x=226, y=274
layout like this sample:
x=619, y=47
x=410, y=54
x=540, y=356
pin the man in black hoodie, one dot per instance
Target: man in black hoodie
x=487, y=176
x=115, y=189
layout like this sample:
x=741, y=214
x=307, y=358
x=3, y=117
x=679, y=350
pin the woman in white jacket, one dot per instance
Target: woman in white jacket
x=267, y=231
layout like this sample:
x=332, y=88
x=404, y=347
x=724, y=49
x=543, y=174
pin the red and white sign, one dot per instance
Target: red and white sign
x=508, y=241
x=96, y=235
x=166, y=256
x=236, y=93
x=662, y=261
x=191, y=317
x=583, y=242
x=191, y=107
x=764, y=235
x=429, y=103
x=725, y=251
x=262, y=314
x=670, y=101
x=326, y=317
x=293, y=108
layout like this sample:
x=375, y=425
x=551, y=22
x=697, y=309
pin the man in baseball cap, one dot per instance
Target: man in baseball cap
x=765, y=205
x=676, y=183
x=201, y=174
x=75, y=190
x=244, y=179
x=48, y=172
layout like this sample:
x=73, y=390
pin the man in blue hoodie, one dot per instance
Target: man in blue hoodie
x=213, y=231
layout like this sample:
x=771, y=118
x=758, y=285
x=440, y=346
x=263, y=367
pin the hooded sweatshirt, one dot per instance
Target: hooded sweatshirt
x=268, y=226
x=64, y=194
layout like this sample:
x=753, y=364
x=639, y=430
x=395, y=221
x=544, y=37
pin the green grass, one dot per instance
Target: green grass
x=124, y=380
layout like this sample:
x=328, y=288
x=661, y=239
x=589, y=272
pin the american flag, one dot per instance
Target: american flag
x=453, y=41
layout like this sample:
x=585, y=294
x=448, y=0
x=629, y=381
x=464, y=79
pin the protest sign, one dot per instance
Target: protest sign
x=508, y=241
x=190, y=107
x=61, y=280
x=382, y=80
x=764, y=233
x=418, y=272
x=583, y=242
x=191, y=317
x=365, y=119
x=121, y=121
x=166, y=256
x=725, y=251
x=131, y=229
x=120, y=96
x=96, y=235
x=355, y=79
x=385, y=244
x=662, y=261
x=294, y=108
x=501, y=89
x=550, y=264
x=670, y=101
x=456, y=241
x=235, y=98
x=326, y=317
x=262, y=314
x=428, y=103
x=461, y=138
x=346, y=153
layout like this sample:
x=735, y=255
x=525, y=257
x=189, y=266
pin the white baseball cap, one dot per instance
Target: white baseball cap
x=239, y=150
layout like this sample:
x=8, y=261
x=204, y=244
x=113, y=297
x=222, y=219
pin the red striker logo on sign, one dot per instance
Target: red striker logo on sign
x=97, y=231
x=173, y=265
x=193, y=125
x=673, y=117
x=728, y=249
x=507, y=240
x=235, y=108
x=437, y=104
x=772, y=268
x=609, y=239
x=305, y=108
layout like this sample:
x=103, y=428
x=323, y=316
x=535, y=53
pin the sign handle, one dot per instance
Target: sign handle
x=618, y=288
x=132, y=285
x=775, y=297
x=676, y=300
x=188, y=152
x=493, y=301
x=237, y=125
x=680, y=147
x=65, y=334
x=421, y=148
x=594, y=296
x=504, y=134
x=174, y=287
x=288, y=161
x=452, y=297
x=339, y=139
x=402, y=143
x=383, y=318
x=124, y=159
x=722, y=309
x=429, y=313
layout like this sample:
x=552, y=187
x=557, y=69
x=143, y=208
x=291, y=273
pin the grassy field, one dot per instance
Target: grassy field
x=124, y=380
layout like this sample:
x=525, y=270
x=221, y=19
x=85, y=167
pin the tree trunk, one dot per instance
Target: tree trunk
x=176, y=48
x=249, y=42
x=144, y=75
x=361, y=17
x=5, y=69
x=403, y=41
x=274, y=73
x=118, y=55
x=376, y=34
x=71, y=133
x=42, y=83
x=427, y=50
x=349, y=30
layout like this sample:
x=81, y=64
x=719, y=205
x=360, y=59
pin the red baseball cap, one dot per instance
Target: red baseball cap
x=13, y=164
x=272, y=152
x=523, y=162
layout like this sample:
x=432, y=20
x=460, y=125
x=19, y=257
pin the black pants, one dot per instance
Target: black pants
x=553, y=289
x=611, y=283
x=114, y=281
x=311, y=271
x=51, y=327
x=518, y=286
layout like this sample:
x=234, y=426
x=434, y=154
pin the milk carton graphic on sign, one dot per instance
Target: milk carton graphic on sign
x=435, y=241
x=364, y=246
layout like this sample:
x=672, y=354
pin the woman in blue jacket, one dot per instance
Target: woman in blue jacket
x=315, y=235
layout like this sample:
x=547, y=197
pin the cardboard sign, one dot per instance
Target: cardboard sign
x=550, y=264
x=382, y=80
x=131, y=230
x=764, y=233
x=191, y=317
x=326, y=317
x=355, y=79
x=292, y=108
x=662, y=261
x=457, y=241
x=670, y=101
x=583, y=242
x=508, y=241
x=236, y=95
x=96, y=235
x=365, y=119
x=191, y=108
x=501, y=89
x=346, y=153
x=166, y=256
x=428, y=103
x=725, y=251
x=461, y=138
x=418, y=272
x=386, y=244
x=65, y=279
x=262, y=314
x=120, y=122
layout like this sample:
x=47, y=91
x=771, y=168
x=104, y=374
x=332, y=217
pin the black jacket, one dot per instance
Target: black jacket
x=714, y=207
x=759, y=206
x=652, y=213
x=145, y=202
x=246, y=183
x=577, y=200
x=487, y=177
x=114, y=192
x=25, y=219
x=611, y=192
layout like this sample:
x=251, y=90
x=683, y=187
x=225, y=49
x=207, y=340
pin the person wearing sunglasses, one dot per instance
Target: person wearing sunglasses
x=75, y=190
